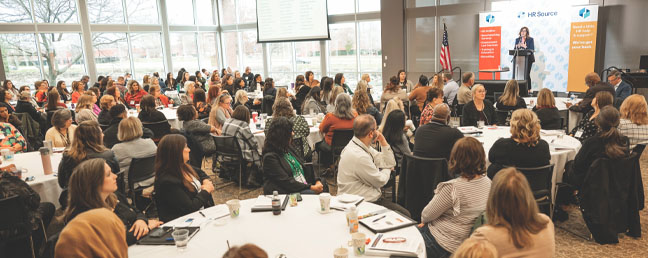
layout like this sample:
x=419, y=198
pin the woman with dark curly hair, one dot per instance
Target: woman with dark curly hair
x=282, y=167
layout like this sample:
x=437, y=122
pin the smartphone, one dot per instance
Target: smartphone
x=157, y=232
x=299, y=197
x=189, y=220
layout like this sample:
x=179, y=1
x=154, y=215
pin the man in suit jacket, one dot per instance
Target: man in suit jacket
x=622, y=89
x=593, y=81
x=436, y=139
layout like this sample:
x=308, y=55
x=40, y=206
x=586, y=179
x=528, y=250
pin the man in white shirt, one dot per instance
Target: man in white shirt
x=362, y=169
x=450, y=89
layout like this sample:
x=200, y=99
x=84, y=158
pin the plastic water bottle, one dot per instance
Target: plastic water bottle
x=352, y=219
x=572, y=96
x=276, y=206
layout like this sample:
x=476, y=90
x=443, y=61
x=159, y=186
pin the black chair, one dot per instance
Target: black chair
x=103, y=127
x=459, y=109
x=639, y=149
x=14, y=219
x=159, y=129
x=140, y=171
x=266, y=104
x=496, y=96
x=340, y=139
x=197, y=154
x=230, y=154
x=419, y=178
x=503, y=117
x=539, y=179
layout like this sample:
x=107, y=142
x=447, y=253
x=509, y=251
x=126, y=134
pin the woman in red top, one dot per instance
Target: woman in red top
x=341, y=118
x=77, y=89
x=41, y=94
x=160, y=99
x=134, y=94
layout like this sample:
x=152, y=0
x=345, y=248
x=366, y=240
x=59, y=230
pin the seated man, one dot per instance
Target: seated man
x=436, y=139
x=594, y=85
x=362, y=169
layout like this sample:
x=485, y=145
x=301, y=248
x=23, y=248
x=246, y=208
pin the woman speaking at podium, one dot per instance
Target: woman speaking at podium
x=524, y=41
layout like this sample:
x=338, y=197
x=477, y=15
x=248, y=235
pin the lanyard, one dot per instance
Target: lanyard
x=372, y=158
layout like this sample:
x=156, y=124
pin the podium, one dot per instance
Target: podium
x=520, y=59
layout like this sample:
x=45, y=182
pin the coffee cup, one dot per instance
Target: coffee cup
x=341, y=253
x=358, y=243
x=234, y=207
x=325, y=202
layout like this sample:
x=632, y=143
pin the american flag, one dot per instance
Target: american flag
x=445, y=51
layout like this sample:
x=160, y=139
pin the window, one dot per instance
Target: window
x=368, y=6
x=142, y=12
x=62, y=56
x=20, y=58
x=111, y=53
x=180, y=12
x=246, y=11
x=147, y=54
x=370, y=52
x=340, y=7
x=105, y=11
x=342, y=48
x=67, y=11
x=15, y=11
x=231, y=51
x=308, y=57
x=281, y=62
x=252, y=52
x=208, y=52
x=204, y=12
x=184, y=51
x=227, y=12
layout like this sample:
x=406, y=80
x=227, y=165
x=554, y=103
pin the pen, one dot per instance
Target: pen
x=201, y=214
x=383, y=216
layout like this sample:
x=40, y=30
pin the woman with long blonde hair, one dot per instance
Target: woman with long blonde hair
x=634, y=120
x=515, y=227
x=524, y=148
x=84, y=109
x=510, y=99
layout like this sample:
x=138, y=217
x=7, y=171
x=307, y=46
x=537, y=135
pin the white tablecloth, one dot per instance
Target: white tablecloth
x=169, y=113
x=313, y=137
x=45, y=185
x=299, y=231
x=558, y=157
x=561, y=104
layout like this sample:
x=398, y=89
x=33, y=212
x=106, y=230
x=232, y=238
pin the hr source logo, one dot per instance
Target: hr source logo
x=584, y=13
x=490, y=18
x=521, y=15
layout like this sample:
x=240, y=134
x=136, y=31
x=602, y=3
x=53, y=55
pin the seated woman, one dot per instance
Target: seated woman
x=634, y=120
x=199, y=131
x=313, y=103
x=282, y=167
x=340, y=119
x=105, y=240
x=5, y=117
x=94, y=185
x=283, y=108
x=94, y=93
x=332, y=97
x=362, y=105
x=394, y=133
x=241, y=98
x=77, y=90
x=134, y=94
x=54, y=101
x=13, y=139
x=200, y=103
x=132, y=146
x=392, y=89
x=269, y=88
x=87, y=144
x=160, y=99
x=607, y=143
x=510, y=99
x=238, y=126
x=221, y=112
x=478, y=109
x=186, y=98
x=546, y=110
x=149, y=114
x=444, y=224
x=5, y=96
x=434, y=98
x=84, y=110
x=180, y=188
x=302, y=89
x=515, y=227
x=523, y=149
x=586, y=127
x=62, y=131
x=106, y=103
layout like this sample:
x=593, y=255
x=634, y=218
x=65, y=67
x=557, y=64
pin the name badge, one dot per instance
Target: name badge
x=132, y=102
x=578, y=134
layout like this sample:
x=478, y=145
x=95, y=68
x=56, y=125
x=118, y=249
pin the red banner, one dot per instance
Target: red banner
x=489, y=51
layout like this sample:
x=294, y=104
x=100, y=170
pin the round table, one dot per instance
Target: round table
x=562, y=150
x=45, y=185
x=299, y=231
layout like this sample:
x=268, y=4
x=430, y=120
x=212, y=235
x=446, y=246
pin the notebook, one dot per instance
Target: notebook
x=264, y=203
x=386, y=222
x=393, y=244
x=166, y=238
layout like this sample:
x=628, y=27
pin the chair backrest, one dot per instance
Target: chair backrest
x=639, y=149
x=496, y=96
x=503, y=117
x=159, y=129
x=539, y=177
x=140, y=169
x=228, y=146
x=266, y=104
x=459, y=109
x=419, y=178
x=197, y=154
x=14, y=217
x=341, y=137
